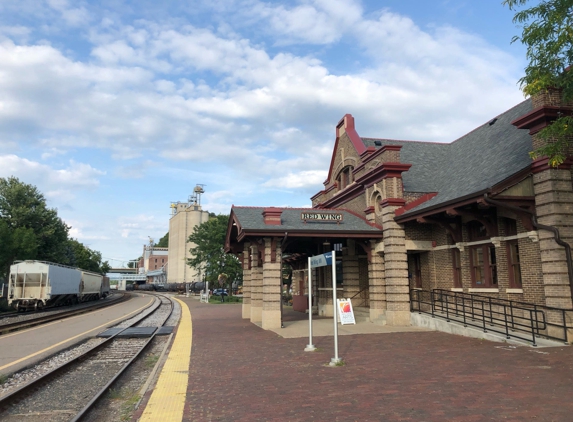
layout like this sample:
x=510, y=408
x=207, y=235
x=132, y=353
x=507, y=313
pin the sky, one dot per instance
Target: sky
x=114, y=109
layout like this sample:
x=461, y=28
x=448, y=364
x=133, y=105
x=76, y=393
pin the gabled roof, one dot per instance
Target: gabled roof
x=473, y=163
x=251, y=221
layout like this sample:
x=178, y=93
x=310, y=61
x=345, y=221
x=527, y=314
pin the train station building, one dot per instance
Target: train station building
x=474, y=216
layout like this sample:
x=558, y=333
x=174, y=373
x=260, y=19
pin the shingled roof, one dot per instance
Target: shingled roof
x=251, y=219
x=475, y=162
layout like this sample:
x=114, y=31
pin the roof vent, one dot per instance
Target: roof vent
x=492, y=121
x=378, y=143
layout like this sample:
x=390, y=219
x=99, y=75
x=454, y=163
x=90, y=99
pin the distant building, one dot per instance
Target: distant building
x=185, y=217
x=153, y=258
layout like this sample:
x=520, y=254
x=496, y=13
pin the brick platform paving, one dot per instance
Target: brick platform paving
x=240, y=372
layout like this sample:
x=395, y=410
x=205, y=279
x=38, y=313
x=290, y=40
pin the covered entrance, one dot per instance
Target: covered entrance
x=274, y=245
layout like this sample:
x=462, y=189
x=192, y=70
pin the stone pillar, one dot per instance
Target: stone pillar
x=246, y=310
x=377, y=282
x=395, y=266
x=554, y=207
x=553, y=197
x=256, y=286
x=272, y=284
x=351, y=283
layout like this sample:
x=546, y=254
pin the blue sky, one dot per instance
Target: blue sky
x=116, y=108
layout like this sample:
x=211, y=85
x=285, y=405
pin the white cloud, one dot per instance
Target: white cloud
x=57, y=184
x=303, y=179
x=73, y=16
x=245, y=100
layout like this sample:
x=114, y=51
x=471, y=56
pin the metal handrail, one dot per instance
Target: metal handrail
x=363, y=300
x=507, y=317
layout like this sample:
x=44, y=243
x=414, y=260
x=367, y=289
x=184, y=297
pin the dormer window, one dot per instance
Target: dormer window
x=344, y=177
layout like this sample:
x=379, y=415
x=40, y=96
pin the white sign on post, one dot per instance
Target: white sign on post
x=345, y=312
x=321, y=260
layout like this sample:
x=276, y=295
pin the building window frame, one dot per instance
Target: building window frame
x=483, y=264
x=457, y=267
x=345, y=177
x=514, y=264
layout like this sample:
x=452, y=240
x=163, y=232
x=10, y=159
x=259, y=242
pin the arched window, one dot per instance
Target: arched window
x=344, y=177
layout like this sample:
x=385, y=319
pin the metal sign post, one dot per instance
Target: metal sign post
x=335, y=360
x=309, y=347
x=323, y=260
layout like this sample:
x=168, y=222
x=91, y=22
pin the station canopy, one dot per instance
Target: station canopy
x=301, y=230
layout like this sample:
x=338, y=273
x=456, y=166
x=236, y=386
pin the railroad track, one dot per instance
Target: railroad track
x=69, y=391
x=19, y=321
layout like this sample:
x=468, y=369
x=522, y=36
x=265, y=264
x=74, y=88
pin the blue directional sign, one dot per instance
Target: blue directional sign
x=321, y=260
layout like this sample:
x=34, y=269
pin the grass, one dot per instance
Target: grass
x=129, y=406
x=151, y=360
x=128, y=398
x=3, y=378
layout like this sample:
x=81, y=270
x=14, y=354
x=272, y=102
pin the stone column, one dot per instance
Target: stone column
x=395, y=266
x=351, y=283
x=553, y=199
x=256, y=286
x=272, y=284
x=246, y=310
x=554, y=207
x=377, y=282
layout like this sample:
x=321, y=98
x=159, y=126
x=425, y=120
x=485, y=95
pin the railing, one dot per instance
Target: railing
x=364, y=296
x=522, y=320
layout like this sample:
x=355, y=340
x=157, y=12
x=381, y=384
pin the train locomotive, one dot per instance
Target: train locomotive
x=34, y=285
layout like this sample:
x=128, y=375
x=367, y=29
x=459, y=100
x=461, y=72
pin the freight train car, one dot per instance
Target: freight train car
x=38, y=284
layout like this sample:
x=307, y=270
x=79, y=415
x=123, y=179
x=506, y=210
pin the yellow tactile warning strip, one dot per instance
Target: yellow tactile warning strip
x=168, y=398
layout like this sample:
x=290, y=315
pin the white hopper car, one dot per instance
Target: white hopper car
x=38, y=284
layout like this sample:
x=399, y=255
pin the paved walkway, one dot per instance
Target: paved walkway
x=240, y=372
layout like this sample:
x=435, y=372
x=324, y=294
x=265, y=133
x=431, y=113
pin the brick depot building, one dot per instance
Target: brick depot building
x=477, y=216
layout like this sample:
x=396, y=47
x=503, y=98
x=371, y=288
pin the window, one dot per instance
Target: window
x=457, y=266
x=483, y=261
x=514, y=265
x=484, y=266
x=513, y=260
x=344, y=177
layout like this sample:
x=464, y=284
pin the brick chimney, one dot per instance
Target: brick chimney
x=272, y=216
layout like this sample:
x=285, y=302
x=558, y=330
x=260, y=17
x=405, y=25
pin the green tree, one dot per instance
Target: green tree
x=81, y=256
x=208, y=256
x=133, y=262
x=28, y=228
x=164, y=241
x=547, y=31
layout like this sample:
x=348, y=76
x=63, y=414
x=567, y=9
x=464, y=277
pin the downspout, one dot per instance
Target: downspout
x=537, y=225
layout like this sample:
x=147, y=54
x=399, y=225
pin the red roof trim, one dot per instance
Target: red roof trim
x=392, y=202
x=415, y=203
x=542, y=164
x=348, y=122
x=383, y=171
x=540, y=118
x=376, y=153
x=345, y=195
x=361, y=217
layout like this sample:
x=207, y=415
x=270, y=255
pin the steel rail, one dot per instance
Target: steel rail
x=35, y=383
x=13, y=326
x=104, y=390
